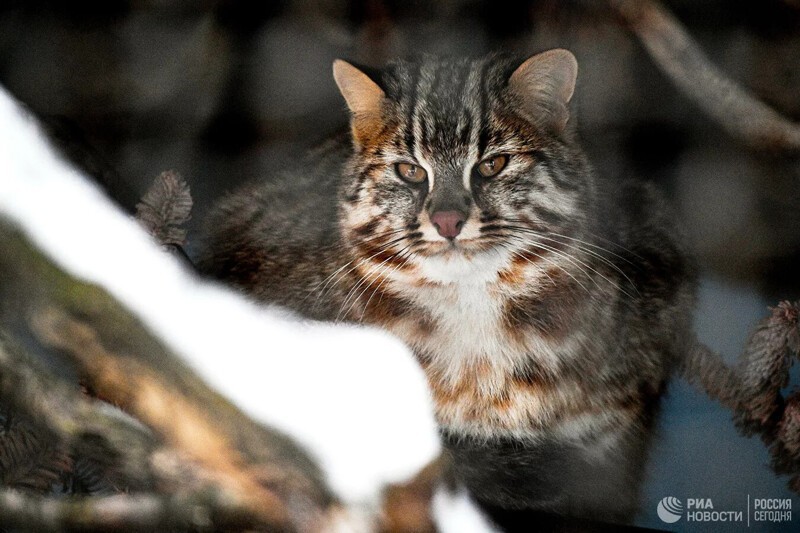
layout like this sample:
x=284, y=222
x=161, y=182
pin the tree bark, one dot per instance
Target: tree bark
x=237, y=468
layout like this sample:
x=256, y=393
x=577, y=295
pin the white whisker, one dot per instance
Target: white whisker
x=338, y=276
x=405, y=259
x=365, y=280
x=554, y=263
x=582, y=265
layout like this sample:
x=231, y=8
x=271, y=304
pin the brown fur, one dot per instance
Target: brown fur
x=547, y=326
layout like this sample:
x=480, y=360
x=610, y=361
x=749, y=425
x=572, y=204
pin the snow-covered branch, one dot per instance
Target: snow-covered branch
x=249, y=415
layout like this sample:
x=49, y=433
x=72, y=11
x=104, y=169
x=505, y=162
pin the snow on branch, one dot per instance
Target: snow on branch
x=119, y=359
x=204, y=408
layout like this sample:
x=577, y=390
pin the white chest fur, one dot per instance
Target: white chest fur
x=466, y=302
x=468, y=328
x=473, y=356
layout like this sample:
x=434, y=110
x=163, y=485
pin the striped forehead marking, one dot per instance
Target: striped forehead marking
x=473, y=86
x=466, y=97
x=422, y=90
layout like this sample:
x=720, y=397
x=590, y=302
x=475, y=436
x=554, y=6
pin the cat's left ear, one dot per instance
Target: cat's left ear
x=544, y=85
x=364, y=98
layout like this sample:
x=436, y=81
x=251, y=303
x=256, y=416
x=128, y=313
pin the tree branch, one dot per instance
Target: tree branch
x=251, y=468
x=740, y=113
x=79, y=424
x=128, y=512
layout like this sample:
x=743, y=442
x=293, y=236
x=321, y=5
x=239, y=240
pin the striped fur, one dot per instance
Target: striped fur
x=554, y=317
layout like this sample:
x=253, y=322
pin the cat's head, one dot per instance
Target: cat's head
x=460, y=160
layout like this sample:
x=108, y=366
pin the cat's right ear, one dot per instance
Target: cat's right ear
x=364, y=98
x=543, y=85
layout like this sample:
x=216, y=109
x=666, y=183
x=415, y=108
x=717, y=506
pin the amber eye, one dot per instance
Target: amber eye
x=491, y=167
x=411, y=172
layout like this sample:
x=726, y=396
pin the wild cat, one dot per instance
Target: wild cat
x=546, y=304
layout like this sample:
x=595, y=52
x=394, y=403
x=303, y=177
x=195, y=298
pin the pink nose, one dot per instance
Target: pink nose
x=448, y=223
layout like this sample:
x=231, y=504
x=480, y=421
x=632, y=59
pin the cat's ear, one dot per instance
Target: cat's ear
x=364, y=97
x=543, y=85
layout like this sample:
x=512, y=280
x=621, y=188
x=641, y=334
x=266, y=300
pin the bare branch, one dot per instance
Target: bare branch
x=740, y=113
x=128, y=512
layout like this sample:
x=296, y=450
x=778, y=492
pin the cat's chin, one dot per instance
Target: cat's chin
x=463, y=264
x=457, y=247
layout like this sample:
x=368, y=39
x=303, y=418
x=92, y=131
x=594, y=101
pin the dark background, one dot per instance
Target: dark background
x=220, y=90
x=223, y=90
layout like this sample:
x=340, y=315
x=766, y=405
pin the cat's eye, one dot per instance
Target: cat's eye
x=491, y=167
x=411, y=172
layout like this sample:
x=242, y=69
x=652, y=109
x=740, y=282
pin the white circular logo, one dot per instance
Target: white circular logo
x=670, y=509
